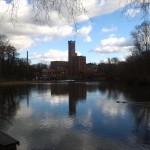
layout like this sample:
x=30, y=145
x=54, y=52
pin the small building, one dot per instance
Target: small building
x=91, y=67
x=7, y=142
x=59, y=65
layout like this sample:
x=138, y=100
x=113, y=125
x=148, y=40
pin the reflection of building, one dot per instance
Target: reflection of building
x=77, y=92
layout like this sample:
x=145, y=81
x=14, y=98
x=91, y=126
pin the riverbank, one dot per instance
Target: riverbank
x=118, y=82
x=21, y=82
x=34, y=82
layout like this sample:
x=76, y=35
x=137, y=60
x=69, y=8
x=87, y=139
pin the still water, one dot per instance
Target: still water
x=76, y=116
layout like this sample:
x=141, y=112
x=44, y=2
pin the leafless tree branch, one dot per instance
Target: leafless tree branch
x=44, y=10
x=141, y=6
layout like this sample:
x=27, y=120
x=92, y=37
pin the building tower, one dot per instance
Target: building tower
x=71, y=50
x=77, y=64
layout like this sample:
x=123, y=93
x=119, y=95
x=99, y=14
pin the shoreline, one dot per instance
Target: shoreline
x=40, y=81
x=21, y=82
x=60, y=81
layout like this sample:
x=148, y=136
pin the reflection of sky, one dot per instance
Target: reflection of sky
x=106, y=117
x=100, y=122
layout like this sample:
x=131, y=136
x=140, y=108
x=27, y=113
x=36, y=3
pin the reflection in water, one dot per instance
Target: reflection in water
x=130, y=93
x=142, y=119
x=77, y=92
x=27, y=96
x=37, y=116
x=9, y=103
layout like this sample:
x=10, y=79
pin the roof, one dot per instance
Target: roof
x=6, y=140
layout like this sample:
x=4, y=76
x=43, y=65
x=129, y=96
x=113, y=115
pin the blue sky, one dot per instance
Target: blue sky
x=107, y=35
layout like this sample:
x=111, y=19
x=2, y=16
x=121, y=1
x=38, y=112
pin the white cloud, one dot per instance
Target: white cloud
x=20, y=34
x=24, y=111
x=21, y=28
x=86, y=120
x=132, y=12
x=21, y=42
x=111, y=108
x=57, y=100
x=53, y=99
x=33, y=29
x=51, y=55
x=113, y=44
x=97, y=7
x=88, y=39
x=25, y=14
x=85, y=30
x=44, y=39
x=62, y=31
x=106, y=30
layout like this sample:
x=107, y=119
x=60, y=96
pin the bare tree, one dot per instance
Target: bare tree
x=45, y=9
x=138, y=6
x=141, y=51
x=114, y=60
x=64, y=8
x=141, y=36
x=71, y=9
x=8, y=57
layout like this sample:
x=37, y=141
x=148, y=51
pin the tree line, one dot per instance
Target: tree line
x=13, y=68
x=136, y=68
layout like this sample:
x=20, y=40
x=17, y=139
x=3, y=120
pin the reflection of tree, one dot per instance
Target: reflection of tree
x=112, y=91
x=59, y=89
x=9, y=103
x=130, y=93
x=142, y=120
x=92, y=87
x=40, y=88
x=138, y=100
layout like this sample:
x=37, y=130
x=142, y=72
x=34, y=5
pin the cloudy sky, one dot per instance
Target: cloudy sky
x=104, y=36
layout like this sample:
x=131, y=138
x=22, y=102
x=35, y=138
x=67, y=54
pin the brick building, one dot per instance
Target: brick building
x=71, y=50
x=61, y=66
x=74, y=68
x=77, y=64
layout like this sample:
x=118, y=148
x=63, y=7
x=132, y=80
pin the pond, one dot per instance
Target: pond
x=76, y=116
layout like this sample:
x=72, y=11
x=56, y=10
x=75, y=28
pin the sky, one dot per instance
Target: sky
x=102, y=33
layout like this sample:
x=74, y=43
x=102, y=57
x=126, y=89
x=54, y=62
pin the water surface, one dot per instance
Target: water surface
x=76, y=116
